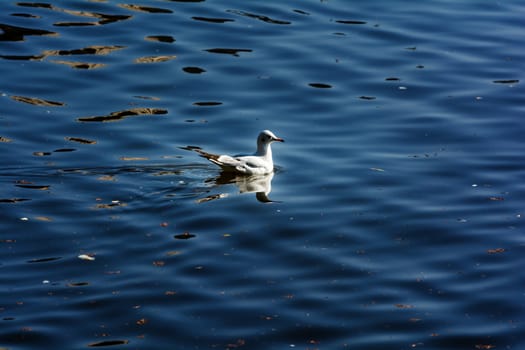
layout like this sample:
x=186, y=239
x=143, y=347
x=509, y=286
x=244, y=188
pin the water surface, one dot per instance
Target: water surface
x=396, y=219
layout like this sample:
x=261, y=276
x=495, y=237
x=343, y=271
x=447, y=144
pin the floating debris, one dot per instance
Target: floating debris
x=41, y=154
x=81, y=140
x=207, y=103
x=509, y=81
x=86, y=257
x=78, y=284
x=350, y=22
x=212, y=20
x=161, y=38
x=320, y=85
x=119, y=115
x=185, y=235
x=13, y=200
x=155, y=59
x=34, y=187
x=37, y=101
x=80, y=65
x=496, y=251
x=225, y=51
x=108, y=343
x=212, y=197
x=128, y=159
x=145, y=8
x=43, y=260
x=194, y=70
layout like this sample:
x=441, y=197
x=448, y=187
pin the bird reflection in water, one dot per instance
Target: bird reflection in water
x=261, y=185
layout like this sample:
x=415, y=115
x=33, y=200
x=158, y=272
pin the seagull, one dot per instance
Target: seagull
x=259, y=163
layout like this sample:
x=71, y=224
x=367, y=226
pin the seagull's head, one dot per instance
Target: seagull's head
x=266, y=137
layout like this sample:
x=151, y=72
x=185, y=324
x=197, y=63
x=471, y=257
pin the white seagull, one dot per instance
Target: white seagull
x=260, y=163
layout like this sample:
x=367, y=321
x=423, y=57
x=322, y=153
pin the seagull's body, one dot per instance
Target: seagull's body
x=259, y=163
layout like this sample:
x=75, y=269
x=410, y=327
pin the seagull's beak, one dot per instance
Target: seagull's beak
x=278, y=139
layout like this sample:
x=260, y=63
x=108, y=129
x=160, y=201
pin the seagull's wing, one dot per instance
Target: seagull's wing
x=248, y=165
x=252, y=165
x=227, y=163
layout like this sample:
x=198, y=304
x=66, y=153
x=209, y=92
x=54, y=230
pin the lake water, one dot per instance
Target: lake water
x=397, y=213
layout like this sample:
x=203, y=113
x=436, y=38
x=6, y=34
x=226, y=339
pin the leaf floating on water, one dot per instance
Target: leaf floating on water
x=185, y=235
x=404, y=306
x=159, y=263
x=119, y=115
x=108, y=343
x=377, y=169
x=5, y=139
x=43, y=218
x=496, y=199
x=496, y=251
x=369, y=98
x=86, y=257
x=64, y=150
x=37, y=101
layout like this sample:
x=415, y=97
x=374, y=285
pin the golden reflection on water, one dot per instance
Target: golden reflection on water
x=37, y=101
x=119, y=115
x=80, y=65
x=155, y=59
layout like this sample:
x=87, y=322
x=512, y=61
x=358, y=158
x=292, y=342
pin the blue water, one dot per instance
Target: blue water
x=397, y=213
